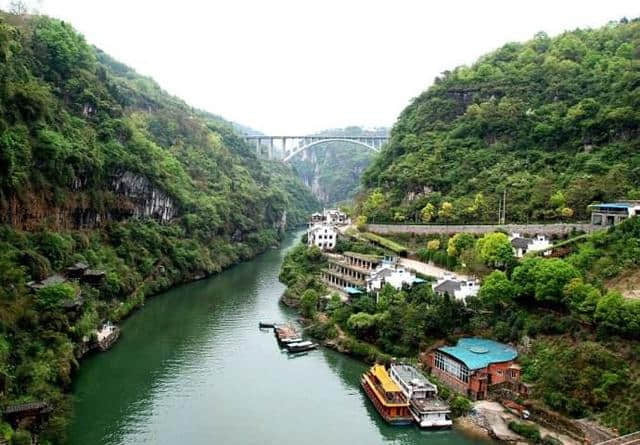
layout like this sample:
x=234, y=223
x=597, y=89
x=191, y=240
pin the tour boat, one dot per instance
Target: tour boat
x=386, y=396
x=428, y=410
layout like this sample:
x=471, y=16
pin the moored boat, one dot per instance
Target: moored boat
x=428, y=410
x=386, y=396
x=286, y=334
x=301, y=346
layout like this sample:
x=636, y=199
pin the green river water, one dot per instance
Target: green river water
x=192, y=368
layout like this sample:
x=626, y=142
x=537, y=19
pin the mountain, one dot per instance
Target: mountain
x=99, y=165
x=553, y=122
x=333, y=170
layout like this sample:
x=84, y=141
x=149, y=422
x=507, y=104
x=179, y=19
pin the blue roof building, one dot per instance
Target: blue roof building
x=474, y=364
x=478, y=353
x=610, y=213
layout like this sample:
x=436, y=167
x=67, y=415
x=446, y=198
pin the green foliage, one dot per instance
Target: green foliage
x=335, y=167
x=460, y=405
x=543, y=279
x=52, y=296
x=74, y=124
x=309, y=303
x=593, y=380
x=552, y=121
x=495, y=250
x=497, y=290
x=386, y=243
x=526, y=430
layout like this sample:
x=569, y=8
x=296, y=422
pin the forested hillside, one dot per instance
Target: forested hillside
x=553, y=121
x=334, y=170
x=99, y=165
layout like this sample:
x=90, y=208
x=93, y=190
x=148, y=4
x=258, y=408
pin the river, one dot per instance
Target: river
x=192, y=368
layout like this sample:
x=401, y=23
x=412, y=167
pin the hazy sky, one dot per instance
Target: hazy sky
x=301, y=66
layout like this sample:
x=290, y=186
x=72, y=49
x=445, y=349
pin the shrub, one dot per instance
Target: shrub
x=529, y=432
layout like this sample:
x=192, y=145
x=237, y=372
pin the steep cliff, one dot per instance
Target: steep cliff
x=333, y=170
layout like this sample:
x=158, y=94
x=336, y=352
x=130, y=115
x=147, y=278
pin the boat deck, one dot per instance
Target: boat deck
x=430, y=405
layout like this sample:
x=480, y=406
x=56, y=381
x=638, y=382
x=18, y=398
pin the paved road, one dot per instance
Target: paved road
x=429, y=269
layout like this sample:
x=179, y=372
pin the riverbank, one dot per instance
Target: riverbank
x=197, y=350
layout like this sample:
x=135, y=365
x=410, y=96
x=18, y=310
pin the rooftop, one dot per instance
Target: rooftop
x=362, y=256
x=521, y=243
x=411, y=377
x=383, y=377
x=448, y=286
x=617, y=204
x=478, y=353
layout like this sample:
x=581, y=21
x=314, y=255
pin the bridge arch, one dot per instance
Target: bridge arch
x=297, y=150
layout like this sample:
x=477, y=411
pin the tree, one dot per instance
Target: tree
x=427, y=213
x=446, y=211
x=362, y=324
x=495, y=250
x=399, y=216
x=374, y=204
x=361, y=223
x=581, y=297
x=309, y=303
x=433, y=245
x=460, y=242
x=557, y=200
x=497, y=290
x=550, y=277
x=566, y=212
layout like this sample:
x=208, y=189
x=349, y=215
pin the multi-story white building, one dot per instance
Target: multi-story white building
x=330, y=216
x=323, y=236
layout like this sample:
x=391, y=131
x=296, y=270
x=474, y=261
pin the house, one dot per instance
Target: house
x=389, y=272
x=330, y=216
x=323, y=236
x=459, y=288
x=523, y=245
x=608, y=214
x=473, y=365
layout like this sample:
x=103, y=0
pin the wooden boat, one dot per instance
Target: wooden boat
x=428, y=410
x=301, y=346
x=386, y=396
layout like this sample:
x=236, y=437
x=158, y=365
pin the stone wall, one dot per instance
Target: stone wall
x=558, y=229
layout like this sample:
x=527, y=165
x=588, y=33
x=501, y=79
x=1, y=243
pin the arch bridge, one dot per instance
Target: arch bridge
x=286, y=147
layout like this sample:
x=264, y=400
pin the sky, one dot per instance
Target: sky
x=295, y=67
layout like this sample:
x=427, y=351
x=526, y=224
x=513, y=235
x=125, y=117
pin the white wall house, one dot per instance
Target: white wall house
x=390, y=273
x=330, y=216
x=460, y=289
x=523, y=245
x=323, y=236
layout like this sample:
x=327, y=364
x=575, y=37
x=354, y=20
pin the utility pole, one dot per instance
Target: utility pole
x=499, y=210
x=504, y=207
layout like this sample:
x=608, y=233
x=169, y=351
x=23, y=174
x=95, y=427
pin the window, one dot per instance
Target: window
x=453, y=367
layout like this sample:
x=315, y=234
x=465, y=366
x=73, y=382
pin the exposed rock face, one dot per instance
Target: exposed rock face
x=148, y=201
x=128, y=196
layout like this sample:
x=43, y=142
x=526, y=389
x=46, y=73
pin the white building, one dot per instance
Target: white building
x=523, y=245
x=458, y=288
x=323, y=236
x=390, y=273
x=330, y=216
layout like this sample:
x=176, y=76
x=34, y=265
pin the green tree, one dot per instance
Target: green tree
x=433, y=245
x=495, y=250
x=446, y=211
x=497, y=290
x=309, y=303
x=427, y=213
x=459, y=243
x=52, y=296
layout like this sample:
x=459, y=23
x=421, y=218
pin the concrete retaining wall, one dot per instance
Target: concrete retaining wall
x=427, y=229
